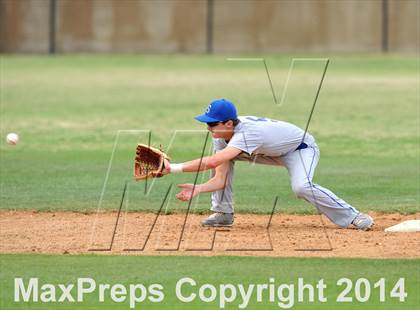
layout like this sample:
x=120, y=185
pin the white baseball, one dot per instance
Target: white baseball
x=12, y=138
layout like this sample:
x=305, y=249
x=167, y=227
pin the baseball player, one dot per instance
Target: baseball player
x=263, y=141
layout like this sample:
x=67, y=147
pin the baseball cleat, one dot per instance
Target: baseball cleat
x=363, y=222
x=218, y=219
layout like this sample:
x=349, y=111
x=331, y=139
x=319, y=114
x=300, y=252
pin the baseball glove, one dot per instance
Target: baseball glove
x=149, y=162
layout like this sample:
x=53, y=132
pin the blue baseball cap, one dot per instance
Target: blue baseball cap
x=219, y=110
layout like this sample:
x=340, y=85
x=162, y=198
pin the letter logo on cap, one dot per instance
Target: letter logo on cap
x=208, y=108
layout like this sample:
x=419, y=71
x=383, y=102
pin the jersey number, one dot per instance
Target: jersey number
x=260, y=119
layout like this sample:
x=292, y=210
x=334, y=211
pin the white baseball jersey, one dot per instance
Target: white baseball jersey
x=264, y=137
x=264, y=141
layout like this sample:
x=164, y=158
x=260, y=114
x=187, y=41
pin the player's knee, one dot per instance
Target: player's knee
x=301, y=190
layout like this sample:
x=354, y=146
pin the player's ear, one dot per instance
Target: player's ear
x=229, y=123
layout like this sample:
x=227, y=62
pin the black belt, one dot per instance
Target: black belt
x=302, y=146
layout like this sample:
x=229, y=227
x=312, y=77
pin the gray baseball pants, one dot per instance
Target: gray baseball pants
x=301, y=166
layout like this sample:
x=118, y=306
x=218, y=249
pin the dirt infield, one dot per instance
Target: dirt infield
x=146, y=234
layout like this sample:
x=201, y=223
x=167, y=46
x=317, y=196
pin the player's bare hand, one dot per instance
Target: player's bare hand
x=188, y=192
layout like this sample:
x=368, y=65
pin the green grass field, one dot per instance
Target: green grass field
x=214, y=270
x=68, y=111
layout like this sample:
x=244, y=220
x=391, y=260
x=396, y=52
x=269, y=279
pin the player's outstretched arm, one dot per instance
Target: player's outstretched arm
x=214, y=184
x=206, y=163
